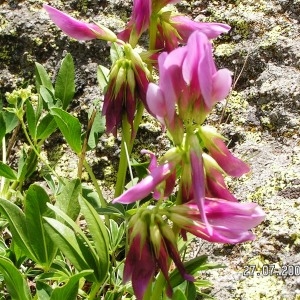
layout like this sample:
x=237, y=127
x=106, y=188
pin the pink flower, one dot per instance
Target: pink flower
x=188, y=78
x=77, y=29
x=230, y=221
x=147, y=185
x=213, y=142
x=139, y=21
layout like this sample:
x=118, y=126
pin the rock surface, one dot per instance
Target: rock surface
x=261, y=117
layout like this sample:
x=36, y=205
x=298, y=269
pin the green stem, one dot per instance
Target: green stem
x=85, y=143
x=4, y=161
x=128, y=137
x=35, y=150
x=94, y=290
x=97, y=187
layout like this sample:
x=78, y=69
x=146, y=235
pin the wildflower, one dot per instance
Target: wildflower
x=188, y=78
x=158, y=174
x=230, y=221
x=79, y=30
x=128, y=82
x=213, y=142
x=152, y=243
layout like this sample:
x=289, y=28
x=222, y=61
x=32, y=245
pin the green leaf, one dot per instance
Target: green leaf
x=35, y=208
x=191, y=267
x=70, y=289
x=46, y=127
x=67, y=200
x=31, y=119
x=15, y=283
x=69, y=127
x=179, y=295
x=71, y=245
x=98, y=128
x=65, y=81
x=42, y=78
x=11, y=121
x=116, y=234
x=190, y=290
x=17, y=221
x=2, y=127
x=88, y=251
x=116, y=52
x=7, y=172
x=102, y=77
x=43, y=290
x=48, y=97
x=27, y=164
x=99, y=234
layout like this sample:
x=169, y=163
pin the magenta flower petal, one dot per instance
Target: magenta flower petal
x=185, y=27
x=230, y=221
x=146, y=186
x=139, y=266
x=221, y=82
x=70, y=26
x=232, y=165
x=198, y=184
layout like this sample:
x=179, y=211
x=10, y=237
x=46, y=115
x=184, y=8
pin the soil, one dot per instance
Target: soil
x=261, y=118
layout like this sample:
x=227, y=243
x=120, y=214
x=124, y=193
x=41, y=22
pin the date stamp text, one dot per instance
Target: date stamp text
x=271, y=270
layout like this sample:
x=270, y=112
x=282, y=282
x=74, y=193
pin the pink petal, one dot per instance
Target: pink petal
x=221, y=82
x=70, y=26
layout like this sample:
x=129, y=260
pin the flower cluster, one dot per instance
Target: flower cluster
x=188, y=88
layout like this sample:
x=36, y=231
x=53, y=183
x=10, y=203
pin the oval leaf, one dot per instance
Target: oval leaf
x=69, y=127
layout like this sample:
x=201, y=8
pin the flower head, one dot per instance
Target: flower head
x=190, y=80
x=230, y=221
x=127, y=83
x=79, y=30
x=152, y=243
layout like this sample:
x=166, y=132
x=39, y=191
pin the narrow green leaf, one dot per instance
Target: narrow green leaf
x=15, y=283
x=88, y=252
x=65, y=81
x=7, y=172
x=35, y=209
x=48, y=97
x=42, y=78
x=69, y=127
x=191, y=267
x=99, y=234
x=67, y=200
x=31, y=119
x=16, y=219
x=69, y=244
x=102, y=77
x=70, y=289
x=46, y=127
